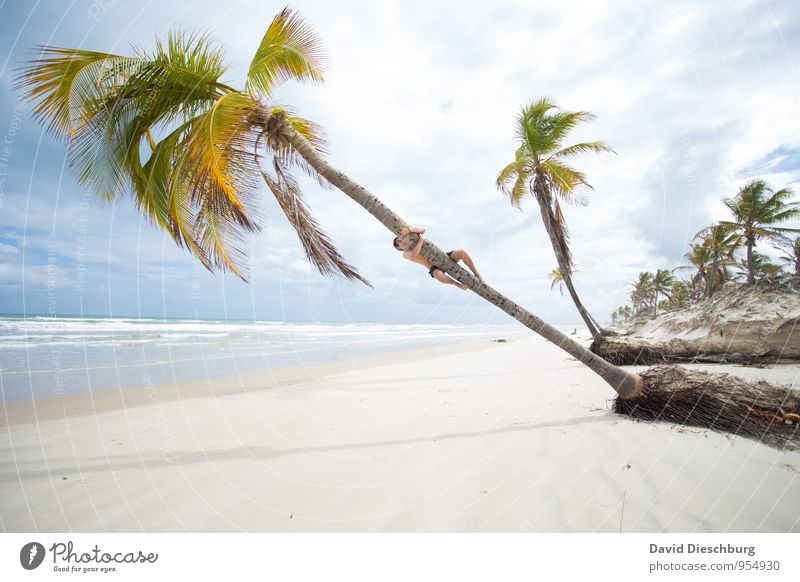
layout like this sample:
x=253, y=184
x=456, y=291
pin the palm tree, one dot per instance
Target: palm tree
x=642, y=294
x=621, y=314
x=679, y=295
x=756, y=208
x=661, y=283
x=205, y=143
x=761, y=267
x=721, y=243
x=556, y=278
x=791, y=256
x=700, y=259
x=540, y=167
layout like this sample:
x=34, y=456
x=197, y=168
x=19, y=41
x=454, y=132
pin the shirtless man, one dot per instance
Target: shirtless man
x=435, y=272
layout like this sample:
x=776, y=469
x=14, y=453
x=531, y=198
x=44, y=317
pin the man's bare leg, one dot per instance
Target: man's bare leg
x=461, y=254
x=442, y=277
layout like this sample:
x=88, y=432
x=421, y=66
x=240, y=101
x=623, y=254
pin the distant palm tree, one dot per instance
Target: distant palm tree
x=556, y=278
x=700, y=259
x=756, y=208
x=642, y=294
x=200, y=181
x=721, y=243
x=761, y=266
x=662, y=282
x=791, y=256
x=679, y=295
x=621, y=314
x=540, y=168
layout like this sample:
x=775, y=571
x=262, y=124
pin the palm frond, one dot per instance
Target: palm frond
x=98, y=151
x=533, y=126
x=163, y=194
x=62, y=82
x=564, y=122
x=318, y=247
x=564, y=180
x=289, y=50
x=221, y=178
x=189, y=54
x=582, y=148
x=220, y=144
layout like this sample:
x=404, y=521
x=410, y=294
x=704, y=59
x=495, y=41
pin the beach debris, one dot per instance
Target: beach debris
x=721, y=402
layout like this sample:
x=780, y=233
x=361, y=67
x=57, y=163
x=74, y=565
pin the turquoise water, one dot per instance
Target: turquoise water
x=44, y=356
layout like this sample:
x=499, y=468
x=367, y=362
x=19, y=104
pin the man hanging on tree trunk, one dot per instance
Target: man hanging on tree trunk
x=435, y=272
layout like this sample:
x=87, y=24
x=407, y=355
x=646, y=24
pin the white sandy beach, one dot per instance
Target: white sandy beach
x=481, y=436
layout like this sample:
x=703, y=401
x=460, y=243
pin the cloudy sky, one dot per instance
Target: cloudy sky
x=419, y=106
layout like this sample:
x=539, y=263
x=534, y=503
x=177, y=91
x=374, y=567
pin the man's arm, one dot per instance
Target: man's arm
x=415, y=252
x=415, y=229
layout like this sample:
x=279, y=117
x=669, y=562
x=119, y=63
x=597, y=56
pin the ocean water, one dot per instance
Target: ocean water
x=44, y=356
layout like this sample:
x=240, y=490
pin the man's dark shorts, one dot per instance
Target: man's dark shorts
x=432, y=269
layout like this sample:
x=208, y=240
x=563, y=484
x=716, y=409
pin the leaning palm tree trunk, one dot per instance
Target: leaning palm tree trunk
x=566, y=272
x=626, y=384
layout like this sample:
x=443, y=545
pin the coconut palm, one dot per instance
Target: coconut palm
x=699, y=258
x=556, y=278
x=661, y=283
x=189, y=148
x=621, y=314
x=791, y=256
x=540, y=167
x=721, y=243
x=756, y=208
x=679, y=295
x=762, y=268
x=642, y=294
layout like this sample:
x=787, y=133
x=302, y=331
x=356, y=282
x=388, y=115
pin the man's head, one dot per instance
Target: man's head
x=399, y=244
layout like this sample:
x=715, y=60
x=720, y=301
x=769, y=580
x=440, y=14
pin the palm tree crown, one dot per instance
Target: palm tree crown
x=721, y=244
x=190, y=149
x=642, y=293
x=540, y=167
x=756, y=208
x=661, y=283
x=791, y=255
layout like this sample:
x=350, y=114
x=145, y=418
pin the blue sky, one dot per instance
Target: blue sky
x=419, y=106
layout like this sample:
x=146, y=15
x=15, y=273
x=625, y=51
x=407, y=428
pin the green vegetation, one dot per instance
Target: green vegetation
x=756, y=210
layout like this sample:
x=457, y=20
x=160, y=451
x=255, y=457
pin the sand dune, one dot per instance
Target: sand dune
x=509, y=436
